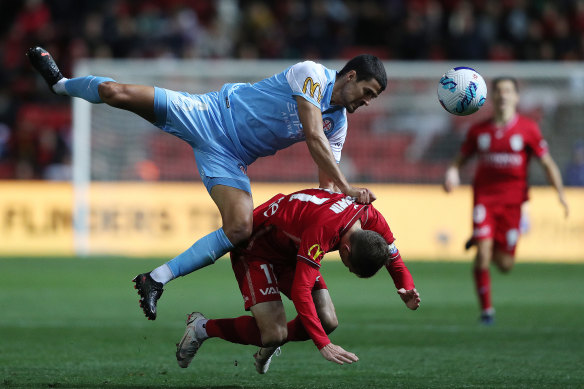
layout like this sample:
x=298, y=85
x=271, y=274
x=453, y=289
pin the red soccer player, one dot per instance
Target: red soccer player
x=504, y=146
x=291, y=234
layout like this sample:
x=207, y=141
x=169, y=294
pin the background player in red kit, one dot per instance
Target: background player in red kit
x=291, y=234
x=504, y=146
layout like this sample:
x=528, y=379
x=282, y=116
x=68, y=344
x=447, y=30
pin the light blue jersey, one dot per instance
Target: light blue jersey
x=230, y=129
x=262, y=118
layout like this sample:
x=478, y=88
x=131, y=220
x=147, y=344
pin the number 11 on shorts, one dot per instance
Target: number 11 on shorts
x=264, y=267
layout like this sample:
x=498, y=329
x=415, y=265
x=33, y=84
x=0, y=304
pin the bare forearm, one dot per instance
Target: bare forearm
x=323, y=157
x=325, y=182
x=555, y=177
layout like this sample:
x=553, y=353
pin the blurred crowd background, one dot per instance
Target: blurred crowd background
x=35, y=126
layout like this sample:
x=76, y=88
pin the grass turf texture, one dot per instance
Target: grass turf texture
x=75, y=323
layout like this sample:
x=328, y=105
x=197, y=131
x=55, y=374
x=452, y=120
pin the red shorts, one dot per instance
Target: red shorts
x=261, y=281
x=499, y=222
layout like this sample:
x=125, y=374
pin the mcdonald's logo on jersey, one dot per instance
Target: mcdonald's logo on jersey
x=313, y=89
x=315, y=252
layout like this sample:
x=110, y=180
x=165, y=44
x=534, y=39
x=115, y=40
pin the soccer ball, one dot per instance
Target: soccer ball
x=462, y=91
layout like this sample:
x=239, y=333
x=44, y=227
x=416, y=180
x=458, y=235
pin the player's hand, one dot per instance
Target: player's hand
x=410, y=297
x=332, y=352
x=451, y=179
x=361, y=195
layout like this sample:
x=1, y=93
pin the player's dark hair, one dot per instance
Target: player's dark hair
x=369, y=252
x=505, y=78
x=366, y=66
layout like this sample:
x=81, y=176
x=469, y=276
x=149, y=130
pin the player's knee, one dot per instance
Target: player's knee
x=111, y=93
x=505, y=266
x=274, y=336
x=238, y=231
x=329, y=322
x=482, y=262
x=504, y=261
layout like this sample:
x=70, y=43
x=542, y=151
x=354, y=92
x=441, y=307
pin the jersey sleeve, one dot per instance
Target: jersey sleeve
x=373, y=220
x=308, y=80
x=314, y=243
x=301, y=295
x=535, y=141
x=400, y=274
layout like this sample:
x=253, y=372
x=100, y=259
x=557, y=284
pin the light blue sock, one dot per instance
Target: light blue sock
x=204, y=252
x=86, y=87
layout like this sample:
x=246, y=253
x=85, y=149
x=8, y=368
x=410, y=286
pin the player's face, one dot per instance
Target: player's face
x=505, y=96
x=358, y=93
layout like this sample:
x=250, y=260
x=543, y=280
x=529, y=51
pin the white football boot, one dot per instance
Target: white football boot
x=190, y=343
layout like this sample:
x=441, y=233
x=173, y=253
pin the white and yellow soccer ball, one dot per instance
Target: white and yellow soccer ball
x=462, y=91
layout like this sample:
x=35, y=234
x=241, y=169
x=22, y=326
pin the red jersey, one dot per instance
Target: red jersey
x=503, y=158
x=299, y=228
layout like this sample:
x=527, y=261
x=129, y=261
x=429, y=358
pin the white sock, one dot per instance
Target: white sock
x=201, y=330
x=488, y=311
x=162, y=274
x=59, y=87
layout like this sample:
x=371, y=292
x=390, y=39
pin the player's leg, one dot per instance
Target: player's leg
x=259, y=287
x=236, y=208
x=325, y=310
x=222, y=172
x=482, y=278
x=135, y=98
x=503, y=260
x=509, y=224
x=267, y=328
x=271, y=321
x=138, y=99
x=274, y=333
x=323, y=303
x=295, y=330
x=483, y=227
x=221, y=169
x=327, y=315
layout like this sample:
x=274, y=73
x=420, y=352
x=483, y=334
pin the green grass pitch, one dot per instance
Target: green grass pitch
x=75, y=323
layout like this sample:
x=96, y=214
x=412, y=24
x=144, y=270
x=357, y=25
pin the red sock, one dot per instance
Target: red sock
x=242, y=330
x=483, y=286
x=296, y=331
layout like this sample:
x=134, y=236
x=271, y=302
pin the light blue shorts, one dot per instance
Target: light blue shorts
x=197, y=120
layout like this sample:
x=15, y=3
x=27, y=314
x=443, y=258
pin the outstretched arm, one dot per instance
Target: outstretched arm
x=555, y=178
x=399, y=272
x=311, y=119
x=304, y=278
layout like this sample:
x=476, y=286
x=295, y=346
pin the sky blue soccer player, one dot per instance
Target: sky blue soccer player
x=230, y=129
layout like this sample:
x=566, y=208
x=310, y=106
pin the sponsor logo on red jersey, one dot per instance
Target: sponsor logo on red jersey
x=315, y=253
